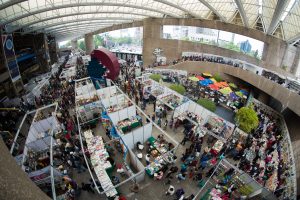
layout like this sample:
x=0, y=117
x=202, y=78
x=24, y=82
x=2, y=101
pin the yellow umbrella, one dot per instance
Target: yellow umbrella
x=207, y=74
x=193, y=78
x=225, y=90
x=213, y=80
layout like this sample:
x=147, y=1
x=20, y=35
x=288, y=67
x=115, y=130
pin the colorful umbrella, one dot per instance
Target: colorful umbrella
x=207, y=74
x=226, y=90
x=200, y=78
x=224, y=84
x=213, y=80
x=244, y=92
x=239, y=94
x=233, y=96
x=205, y=82
x=219, y=85
x=232, y=85
x=193, y=78
x=213, y=87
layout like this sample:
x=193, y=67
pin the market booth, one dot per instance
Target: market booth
x=112, y=148
x=36, y=158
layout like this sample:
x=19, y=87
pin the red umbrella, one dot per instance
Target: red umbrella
x=200, y=78
x=214, y=87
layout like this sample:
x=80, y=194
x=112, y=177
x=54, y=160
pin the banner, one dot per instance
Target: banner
x=9, y=53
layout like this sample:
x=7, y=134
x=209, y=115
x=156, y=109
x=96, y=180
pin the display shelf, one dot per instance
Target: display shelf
x=99, y=155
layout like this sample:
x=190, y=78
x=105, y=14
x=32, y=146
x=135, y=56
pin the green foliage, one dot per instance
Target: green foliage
x=81, y=45
x=217, y=77
x=208, y=104
x=98, y=41
x=155, y=77
x=247, y=119
x=177, y=88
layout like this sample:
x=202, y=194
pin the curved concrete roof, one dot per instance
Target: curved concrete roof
x=274, y=17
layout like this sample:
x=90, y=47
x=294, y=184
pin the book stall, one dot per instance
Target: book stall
x=98, y=157
x=228, y=182
x=171, y=100
x=219, y=127
x=282, y=157
x=40, y=147
x=129, y=124
x=161, y=154
x=88, y=104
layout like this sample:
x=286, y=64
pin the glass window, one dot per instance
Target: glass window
x=224, y=39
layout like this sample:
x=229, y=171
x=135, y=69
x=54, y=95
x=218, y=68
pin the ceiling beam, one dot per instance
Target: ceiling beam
x=97, y=25
x=79, y=20
x=293, y=39
x=73, y=14
x=179, y=8
x=10, y=3
x=204, y=2
x=82, y=23
x=85, y=4
x=280, y=7
x=242, y=12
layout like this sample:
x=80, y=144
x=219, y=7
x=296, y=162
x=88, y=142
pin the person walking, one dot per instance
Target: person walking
x=166, y=124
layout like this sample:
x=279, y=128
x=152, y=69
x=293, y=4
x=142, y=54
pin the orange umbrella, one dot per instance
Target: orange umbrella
x=219, y=85
x=224, y=84
x=213, y=87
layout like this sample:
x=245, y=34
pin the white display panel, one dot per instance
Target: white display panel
x=137, y=135
x=122, y=114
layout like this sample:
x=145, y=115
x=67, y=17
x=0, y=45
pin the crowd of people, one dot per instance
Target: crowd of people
x=261, y=154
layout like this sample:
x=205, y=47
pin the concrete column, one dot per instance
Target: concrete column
x=14, y=182
x=74, y=44
x=296, y=62
x=89, y=43
x=152, y=32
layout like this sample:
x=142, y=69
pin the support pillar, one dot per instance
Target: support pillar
x=89, y=43
x=74, y=44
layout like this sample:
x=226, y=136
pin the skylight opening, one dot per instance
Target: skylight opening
x=260, y=7
x=287, y=10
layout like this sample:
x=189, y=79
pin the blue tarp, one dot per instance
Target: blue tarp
x=205, y=82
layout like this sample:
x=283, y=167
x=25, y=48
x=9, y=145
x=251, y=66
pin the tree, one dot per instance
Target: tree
x=98, y=41
x=217, y=77
x=81, y=45
x=177, y=88
x=208, y=104
x=155, y=77
x=246, y=119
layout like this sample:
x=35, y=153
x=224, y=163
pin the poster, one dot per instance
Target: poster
x=9, y=53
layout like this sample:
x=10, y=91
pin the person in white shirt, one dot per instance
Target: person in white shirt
x=170, y=191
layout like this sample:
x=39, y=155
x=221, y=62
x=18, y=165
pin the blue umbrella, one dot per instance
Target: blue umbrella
x=244, y=92
x=205, y=82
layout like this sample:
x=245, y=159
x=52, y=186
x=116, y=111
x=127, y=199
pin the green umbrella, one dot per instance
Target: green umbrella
x=232, y=85
x=193, y=78
x=240, y=94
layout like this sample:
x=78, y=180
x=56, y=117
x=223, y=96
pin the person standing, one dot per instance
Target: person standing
x=159, y=122
x=153, y=118
x=170, y=191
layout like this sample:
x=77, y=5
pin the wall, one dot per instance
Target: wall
x=14, y=182
x=286, y=97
